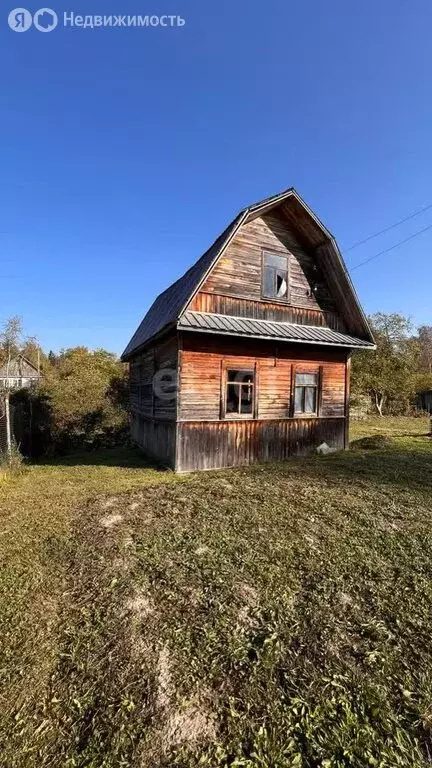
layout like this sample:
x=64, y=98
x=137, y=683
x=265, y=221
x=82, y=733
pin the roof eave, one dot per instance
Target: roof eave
x=314, y=342
x=125, y=357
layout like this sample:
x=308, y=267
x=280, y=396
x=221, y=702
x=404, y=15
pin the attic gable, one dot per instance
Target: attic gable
x=239, y=271
x=310, y=235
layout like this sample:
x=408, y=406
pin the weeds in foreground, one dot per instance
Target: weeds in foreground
x=11, y=463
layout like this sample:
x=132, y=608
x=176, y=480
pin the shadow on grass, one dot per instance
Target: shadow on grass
x=405, y=467
x=128, y=458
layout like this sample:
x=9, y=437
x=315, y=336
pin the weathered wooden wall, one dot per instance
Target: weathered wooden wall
x=153, y=417
x=238, y=271
x=204, y=440
x=265, y=310
x=213, y=445
x=424, y=401
x=201, y=360
x=143, y=396
x=156, y=438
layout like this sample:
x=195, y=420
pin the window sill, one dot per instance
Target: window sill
x=238, y=417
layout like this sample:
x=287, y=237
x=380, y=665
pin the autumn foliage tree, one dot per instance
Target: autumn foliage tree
x=389, y=374
x=81, y=402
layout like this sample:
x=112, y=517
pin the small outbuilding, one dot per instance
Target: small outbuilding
x=424, y=401
x=18, y=373
x=246, y=358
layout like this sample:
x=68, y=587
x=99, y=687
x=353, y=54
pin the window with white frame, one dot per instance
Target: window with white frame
x=306, y=394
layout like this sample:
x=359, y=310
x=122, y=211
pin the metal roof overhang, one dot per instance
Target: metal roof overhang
x=206, y=322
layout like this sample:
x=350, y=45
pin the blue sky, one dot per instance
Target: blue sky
x=126, y=151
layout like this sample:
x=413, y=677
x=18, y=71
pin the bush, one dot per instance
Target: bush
x=81, y=403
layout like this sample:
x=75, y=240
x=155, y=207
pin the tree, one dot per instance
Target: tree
x=10, y=337
x=85, y=396
x=387, y=375
x=425, y=343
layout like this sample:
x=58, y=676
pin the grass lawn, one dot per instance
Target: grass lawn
x=267, y=617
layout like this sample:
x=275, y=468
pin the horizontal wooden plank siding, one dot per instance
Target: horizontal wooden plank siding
x=214, y=445
x=265, y=310
x=202, y=359
x=166, y=359
x=238, y=271
x=157, y=439
x=206, y=441
x=144, y=398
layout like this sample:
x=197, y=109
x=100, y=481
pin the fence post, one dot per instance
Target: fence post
x=8, y=425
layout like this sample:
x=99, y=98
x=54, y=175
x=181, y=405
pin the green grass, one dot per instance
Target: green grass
x=266, y=617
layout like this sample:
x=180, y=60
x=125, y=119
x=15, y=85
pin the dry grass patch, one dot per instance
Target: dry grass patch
x=267, y=617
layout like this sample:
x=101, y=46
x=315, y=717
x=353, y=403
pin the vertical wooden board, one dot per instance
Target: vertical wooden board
x=204, y=445
x=265, y=310
x=238, y=271
x=347, y=401
x=156, y=439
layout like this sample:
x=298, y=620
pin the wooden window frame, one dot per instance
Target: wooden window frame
x=280, y=254
x=319, y=391
x=233, y=366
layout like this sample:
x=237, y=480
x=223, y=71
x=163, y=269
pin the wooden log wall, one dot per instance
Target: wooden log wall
x=238, y=272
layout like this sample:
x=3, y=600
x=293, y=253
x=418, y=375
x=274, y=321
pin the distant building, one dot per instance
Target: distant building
x=19, y=373
x=424, y=401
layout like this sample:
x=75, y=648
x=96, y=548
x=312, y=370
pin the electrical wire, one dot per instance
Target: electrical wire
x=391, y=248
x=387, y=229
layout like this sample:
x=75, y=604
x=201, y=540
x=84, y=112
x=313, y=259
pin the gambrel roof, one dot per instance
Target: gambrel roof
x=168, y=309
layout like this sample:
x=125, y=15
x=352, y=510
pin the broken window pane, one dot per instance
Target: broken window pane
x=239, y=392
x=281, y=284
x=275, y=276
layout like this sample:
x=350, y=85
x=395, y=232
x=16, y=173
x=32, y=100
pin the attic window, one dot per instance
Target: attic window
x=275, y=276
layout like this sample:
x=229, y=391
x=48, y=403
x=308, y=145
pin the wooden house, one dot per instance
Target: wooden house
x=19, y=373
x=247, y=356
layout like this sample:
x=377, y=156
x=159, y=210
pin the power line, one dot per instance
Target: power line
x=387, y=229
x=392, y=247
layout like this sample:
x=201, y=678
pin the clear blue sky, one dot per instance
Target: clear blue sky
x=124, y=152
